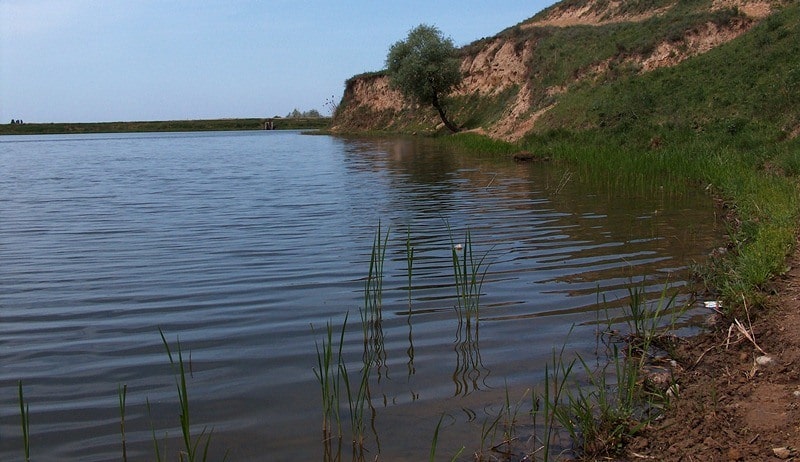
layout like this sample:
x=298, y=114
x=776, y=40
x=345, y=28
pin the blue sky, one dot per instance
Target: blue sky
x=111, y=60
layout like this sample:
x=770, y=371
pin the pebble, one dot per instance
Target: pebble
x=782, y=453
x=764, y=360
x=735, y=455
x=674, y=391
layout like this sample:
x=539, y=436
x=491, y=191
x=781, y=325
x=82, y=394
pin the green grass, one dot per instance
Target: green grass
x=704, y=95
x=477, y=144
x=475, y=111
x=762, y=202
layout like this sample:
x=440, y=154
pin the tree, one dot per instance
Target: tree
x=425, y=67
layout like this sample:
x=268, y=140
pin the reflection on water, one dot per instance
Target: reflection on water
x=470, y=374
x=238, y=242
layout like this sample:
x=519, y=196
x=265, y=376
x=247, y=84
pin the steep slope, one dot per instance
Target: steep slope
x=516, y=77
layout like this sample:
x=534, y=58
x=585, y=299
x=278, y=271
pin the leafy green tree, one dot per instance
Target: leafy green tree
x=425, y=67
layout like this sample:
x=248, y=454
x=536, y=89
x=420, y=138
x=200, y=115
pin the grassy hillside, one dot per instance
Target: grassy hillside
x=751, y=84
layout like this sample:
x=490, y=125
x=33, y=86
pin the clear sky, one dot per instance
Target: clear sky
x=112, y=60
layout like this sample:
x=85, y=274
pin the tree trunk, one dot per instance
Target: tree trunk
x=447, y=123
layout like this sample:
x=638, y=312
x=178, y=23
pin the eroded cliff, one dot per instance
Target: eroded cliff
x=515, y=77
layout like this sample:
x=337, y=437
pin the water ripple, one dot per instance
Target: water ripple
x=238, y=243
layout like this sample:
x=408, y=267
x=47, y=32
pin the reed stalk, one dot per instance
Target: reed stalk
x=192, y=449
x=435, y=443
x=358, y=401
x=156, y=448
x=469, y=272
x=372, y=313
x=122, y=393
x=410, y=272
x=555, y=388
x=24, y=412
x=327, y=373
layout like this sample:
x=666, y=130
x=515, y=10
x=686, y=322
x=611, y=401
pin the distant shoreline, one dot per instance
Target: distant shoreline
x=278, y=123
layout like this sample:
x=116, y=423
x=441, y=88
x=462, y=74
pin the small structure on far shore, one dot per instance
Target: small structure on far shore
x=269, y=125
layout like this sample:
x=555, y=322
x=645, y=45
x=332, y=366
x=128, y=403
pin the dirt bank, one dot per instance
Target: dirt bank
x=731, y=408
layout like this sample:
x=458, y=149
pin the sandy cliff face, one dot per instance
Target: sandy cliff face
x=504, y=62
x=496, y=67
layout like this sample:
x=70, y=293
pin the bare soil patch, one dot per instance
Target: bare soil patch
x=730, y=407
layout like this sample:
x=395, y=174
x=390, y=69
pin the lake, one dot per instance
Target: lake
x=242, y=246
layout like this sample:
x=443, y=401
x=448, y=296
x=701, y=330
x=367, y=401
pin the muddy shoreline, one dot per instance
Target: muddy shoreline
x=733, y=404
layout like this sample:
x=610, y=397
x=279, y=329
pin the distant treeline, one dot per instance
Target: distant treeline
x=276, y=123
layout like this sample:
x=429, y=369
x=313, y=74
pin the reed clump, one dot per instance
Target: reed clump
x=587, y=411
x=194, y=448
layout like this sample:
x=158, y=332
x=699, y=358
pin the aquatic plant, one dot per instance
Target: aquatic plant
x=372, y=312
x=153, y=436
x=191, y=445
x=469, y=273
x=358, y=400
x=327, y=373
x=122, y=393
x=435, y=442
x=409, y=273
x=598, y=414
x=24, y=412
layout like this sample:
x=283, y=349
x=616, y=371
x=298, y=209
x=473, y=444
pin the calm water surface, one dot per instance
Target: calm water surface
x=238, y=243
